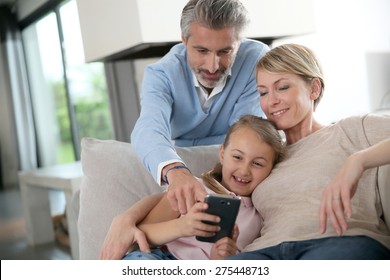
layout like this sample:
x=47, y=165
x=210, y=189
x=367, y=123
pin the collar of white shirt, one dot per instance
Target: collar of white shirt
x=205, y=98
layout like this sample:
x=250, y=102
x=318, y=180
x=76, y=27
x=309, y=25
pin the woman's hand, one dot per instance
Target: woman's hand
x=121, y=236
x=336, y=197
x=225, y=247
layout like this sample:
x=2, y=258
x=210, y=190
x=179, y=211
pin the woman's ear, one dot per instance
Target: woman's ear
x=221, y=153
x=315, y=88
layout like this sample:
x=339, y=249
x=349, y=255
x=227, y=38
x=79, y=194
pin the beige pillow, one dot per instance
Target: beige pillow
x=114, y=179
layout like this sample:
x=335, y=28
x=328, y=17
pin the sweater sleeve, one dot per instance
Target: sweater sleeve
x=151, y=137
x=376, y=128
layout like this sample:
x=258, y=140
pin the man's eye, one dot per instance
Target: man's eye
x=224, y=52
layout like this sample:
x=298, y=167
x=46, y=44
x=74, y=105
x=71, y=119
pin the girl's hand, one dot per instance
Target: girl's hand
x=225, y=247
x=191, y=224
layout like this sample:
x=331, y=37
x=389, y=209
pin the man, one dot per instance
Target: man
x=190, y=97
x=195, y=92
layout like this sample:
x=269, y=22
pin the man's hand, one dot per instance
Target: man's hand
x=121, y=236
x=184, y=190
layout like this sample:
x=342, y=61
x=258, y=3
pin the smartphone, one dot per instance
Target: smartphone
x=226, y=207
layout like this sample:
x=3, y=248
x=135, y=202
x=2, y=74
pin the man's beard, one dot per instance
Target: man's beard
x=210, y=82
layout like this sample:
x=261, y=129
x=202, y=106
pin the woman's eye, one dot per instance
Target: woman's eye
x=236, y=157
x=262, y=93
x=284, y=87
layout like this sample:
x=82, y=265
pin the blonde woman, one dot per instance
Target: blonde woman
x=290, y=83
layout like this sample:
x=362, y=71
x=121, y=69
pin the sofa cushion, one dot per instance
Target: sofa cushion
x=114, y=179
x=384, y=191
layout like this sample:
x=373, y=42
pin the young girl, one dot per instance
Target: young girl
x=251, y=148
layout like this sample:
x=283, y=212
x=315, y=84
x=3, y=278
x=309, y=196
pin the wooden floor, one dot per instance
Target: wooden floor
x=13, y=242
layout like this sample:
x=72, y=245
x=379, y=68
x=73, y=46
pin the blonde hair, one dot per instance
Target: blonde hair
x=267, y=131
x=294, y=59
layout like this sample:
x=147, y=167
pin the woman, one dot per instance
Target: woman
x=299, y=197
x=290, y=83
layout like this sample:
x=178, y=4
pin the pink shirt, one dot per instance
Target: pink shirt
x=249, y=224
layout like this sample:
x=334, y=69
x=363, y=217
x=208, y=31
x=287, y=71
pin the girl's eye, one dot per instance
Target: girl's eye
x=259, y=164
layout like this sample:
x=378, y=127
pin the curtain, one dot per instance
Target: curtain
x=17, y=127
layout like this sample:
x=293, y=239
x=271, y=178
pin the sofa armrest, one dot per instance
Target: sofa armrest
x=384, y=191
x=114, y=179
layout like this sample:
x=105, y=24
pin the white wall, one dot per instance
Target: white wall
x=352, y=41
x=109, y=27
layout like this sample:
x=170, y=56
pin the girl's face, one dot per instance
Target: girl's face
x=286, y=99
x=246, y=161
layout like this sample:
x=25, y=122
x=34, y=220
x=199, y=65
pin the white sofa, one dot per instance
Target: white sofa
x=114, y=179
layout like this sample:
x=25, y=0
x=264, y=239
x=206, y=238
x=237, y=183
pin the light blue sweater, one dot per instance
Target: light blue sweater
x=171, y=113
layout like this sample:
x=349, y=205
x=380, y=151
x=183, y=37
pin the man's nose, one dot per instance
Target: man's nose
x=212, y=63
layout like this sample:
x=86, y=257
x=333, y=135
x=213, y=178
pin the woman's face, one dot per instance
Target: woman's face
x=246, y=161
x=286, y=99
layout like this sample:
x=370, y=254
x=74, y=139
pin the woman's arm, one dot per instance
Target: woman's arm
x=123, y=231
x=376, y=155
x=336, y=198
x=160, y=225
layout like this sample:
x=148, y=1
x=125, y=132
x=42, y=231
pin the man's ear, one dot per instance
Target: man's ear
x=183, y=39
x=315, y=88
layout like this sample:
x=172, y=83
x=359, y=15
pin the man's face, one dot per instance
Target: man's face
x=211, y=53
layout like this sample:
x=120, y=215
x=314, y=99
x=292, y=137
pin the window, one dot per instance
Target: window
x=69, y=97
